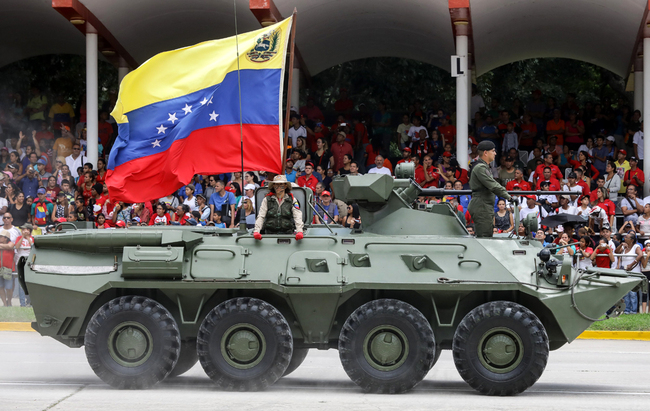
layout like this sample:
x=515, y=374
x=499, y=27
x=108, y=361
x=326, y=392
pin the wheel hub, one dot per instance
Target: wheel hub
x=500, y=350
x=385, y=348
x=130, y=344
x=243, y=346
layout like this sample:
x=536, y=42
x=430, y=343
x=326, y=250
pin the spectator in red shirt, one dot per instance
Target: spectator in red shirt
x=593, y=196
x=580, y=180
x=308, y=180
x=425, y=175
x=603, y=255
x=554, y=184
x=161, y=217
x=406, y=156
x=311, y=111
x=447, y=131
x=343, y=104
x=339, y=149
x=518, y=181
x=548, y=162
x=634, y=176
x=606, y=204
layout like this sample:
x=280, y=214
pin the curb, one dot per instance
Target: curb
x=22, y=326
x=587, y=335
x=615, y=335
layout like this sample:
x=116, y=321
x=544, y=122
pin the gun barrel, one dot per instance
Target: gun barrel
x=436, y=192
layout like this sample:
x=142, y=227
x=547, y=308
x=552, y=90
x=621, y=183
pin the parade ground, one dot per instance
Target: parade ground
x=41, y=374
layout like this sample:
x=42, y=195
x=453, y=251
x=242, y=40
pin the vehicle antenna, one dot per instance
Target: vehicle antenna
x=242, y=219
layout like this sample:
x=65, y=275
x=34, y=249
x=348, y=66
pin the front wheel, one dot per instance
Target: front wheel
x=132, y=342
x=500, y=348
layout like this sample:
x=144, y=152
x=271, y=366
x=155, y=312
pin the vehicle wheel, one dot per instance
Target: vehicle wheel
x=436, y=355
x=186, y=359
x=386, y=346
x=244, y=344
x=132, y=342
x=500, y=348
x=298, y=356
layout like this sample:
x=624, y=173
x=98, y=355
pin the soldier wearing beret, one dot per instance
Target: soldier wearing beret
x=484, y=188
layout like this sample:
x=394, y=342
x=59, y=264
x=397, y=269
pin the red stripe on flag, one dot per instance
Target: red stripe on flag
x=212, y=150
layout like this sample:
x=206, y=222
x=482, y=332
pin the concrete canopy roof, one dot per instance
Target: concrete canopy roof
x=329, y=32
x=602, y=32
x=31, y=28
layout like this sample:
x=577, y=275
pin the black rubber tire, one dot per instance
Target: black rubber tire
x=298, y=356
x=273, y=328
x=514, y=319
x=186, y=359
x=436, y=355
x=419, y=341
x=152, y=317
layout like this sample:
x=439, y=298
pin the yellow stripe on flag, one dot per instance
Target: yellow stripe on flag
x=175, y=73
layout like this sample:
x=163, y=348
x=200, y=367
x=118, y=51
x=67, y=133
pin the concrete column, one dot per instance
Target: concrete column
x=638, y=89
x=462, y=104
x=470, y=118
x=92, y=97
x=122, y=71
x=295, y=88
x=646, y=103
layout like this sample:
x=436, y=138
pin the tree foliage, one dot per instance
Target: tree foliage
x=54, y=74
x=399, y=82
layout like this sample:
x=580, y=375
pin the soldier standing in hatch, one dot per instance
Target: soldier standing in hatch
x=484, y=188
x=279, y=212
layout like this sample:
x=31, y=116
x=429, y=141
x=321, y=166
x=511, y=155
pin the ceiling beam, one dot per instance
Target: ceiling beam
x=78, y=14
x=267, y=14
x=461, y=25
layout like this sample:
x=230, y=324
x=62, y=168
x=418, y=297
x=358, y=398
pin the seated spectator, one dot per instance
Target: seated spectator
x=161, y=217
x=216, y=220
x=225, y=202
x=426, y=175
x=602, y=256
x=379, y=166
x=101, y=222
x=289, y=171
x=190, y=199
x=531, y=207
x=142, y=213
x=643, y=221
x=320, y=216
x=634, y=176
x=62, y=208
x=564, y=241
x=354, y=169
x=585, y=249
x=612, y=181
x=308, y=180
x=518, y=181
x=121, y=213
x=503, y=220
x=631, y=205
x=353, y=219
x=347, y=160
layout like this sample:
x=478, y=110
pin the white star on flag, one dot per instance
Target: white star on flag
x=187, y=109
x=205, y=100
x=156, y=143
x=210, y=102
x=161, y=129
x=213, y=116
x=172, y=117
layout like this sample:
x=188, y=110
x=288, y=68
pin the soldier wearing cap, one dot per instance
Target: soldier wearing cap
x=279, y=212
x=484, y=189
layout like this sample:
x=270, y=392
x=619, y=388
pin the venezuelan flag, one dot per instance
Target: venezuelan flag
x=178, y=114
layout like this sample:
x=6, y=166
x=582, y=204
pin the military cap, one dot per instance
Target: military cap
x=486, y=145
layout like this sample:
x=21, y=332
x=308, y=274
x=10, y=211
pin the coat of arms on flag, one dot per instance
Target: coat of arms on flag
x=266, y=47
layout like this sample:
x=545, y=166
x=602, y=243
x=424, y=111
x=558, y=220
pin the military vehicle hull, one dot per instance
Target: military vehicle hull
x=248, y=310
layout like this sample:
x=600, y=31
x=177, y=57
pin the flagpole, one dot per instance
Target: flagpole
x=242, y=226
x=288, y=111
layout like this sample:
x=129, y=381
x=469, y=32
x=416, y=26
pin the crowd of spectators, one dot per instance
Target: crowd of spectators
x=595, y=151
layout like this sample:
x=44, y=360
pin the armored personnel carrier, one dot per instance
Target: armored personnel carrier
x=147, y=303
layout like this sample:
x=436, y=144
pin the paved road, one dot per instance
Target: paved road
x=38, y=373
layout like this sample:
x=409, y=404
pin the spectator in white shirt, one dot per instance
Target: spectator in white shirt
x=379, y=169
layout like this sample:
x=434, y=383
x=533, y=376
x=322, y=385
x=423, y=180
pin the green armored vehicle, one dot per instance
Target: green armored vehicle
x=148, y=303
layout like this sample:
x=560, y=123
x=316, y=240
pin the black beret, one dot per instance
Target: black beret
x=486, y=145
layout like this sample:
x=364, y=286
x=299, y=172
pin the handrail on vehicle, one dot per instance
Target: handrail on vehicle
x=289, y=236
x=415, y=243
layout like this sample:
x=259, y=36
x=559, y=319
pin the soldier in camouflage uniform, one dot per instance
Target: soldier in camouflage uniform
x=484, y=188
